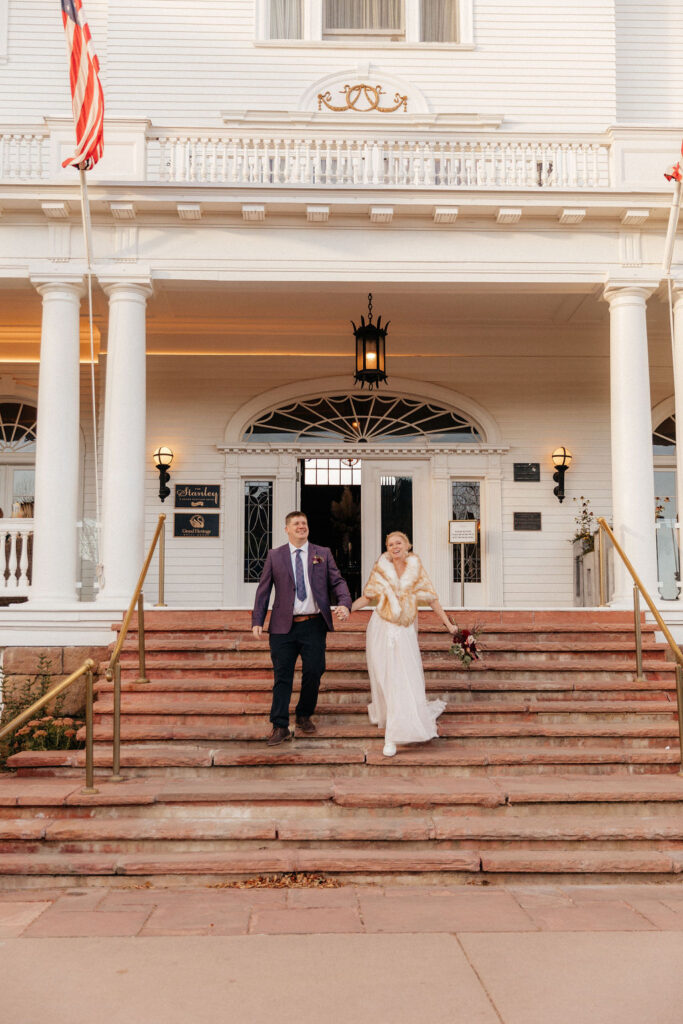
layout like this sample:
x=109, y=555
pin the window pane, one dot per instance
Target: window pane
x=286, y=20
x=23, y=488
x=396, y=497
x=466, y=505
x=439, y=21
x=258, y=527
x=364, y=14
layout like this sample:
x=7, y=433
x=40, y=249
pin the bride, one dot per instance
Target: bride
x=397, y=683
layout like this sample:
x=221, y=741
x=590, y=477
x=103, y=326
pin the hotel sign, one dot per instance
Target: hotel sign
x=197, y=496
x=196, y=524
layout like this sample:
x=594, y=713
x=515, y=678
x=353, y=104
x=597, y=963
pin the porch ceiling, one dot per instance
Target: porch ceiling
x=231, y=318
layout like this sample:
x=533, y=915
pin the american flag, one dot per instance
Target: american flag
x=86, y=90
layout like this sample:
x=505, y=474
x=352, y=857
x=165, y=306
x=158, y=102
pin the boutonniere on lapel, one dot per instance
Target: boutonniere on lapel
x=318, y=560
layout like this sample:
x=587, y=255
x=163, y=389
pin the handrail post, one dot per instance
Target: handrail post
x=162, y=566
x=89, y=738
x=601, y=567
x=679, y=694
x=639, y=636
x=116, y=751
x=141, y=639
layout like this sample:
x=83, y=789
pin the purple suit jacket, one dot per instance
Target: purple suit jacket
x=325, y=579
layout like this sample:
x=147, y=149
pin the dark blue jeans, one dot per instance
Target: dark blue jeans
x=305, y=639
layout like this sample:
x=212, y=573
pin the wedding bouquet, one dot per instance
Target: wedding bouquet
x=464, y=645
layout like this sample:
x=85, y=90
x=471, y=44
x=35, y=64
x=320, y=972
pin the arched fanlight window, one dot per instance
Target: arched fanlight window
x=362, y=418
x=17, y=428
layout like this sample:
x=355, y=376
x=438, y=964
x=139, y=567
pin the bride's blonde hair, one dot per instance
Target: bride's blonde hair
x=398, y=533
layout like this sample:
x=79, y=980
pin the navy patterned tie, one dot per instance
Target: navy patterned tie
x=299, y=573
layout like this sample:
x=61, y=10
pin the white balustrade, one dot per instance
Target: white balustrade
x=22, y=155
x=350, y=160
x=16, y=561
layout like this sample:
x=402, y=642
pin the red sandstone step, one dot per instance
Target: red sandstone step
x=551, y=828
x=555, y=827
x=594, y=862
x=305, y=753
x=570, y=645
x=353, y=861
x=615, y=686
x=227, y=703
x=354, y=661
x=425, y=791
x=359, y=860
x=135, y=728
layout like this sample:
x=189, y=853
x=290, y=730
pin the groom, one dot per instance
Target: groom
x=305, y=576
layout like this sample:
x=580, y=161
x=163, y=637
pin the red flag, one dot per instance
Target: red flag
x=86, y=89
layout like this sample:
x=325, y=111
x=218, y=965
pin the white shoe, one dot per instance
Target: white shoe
x=389, y=749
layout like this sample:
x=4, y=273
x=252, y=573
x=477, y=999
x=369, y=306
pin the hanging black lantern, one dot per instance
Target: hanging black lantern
x=370, y=350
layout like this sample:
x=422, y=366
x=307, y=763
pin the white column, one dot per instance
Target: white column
x=55, y=538
x=678, y=403
x=633, y=488
x=125, y=441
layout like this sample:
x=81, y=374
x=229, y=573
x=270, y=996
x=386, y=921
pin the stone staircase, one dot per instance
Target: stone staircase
x=554, y=760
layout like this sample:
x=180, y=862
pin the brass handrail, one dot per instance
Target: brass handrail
x=114, y=669
x=86, y=669
x=639, y=588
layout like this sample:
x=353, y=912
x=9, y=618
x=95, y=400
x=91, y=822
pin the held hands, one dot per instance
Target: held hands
x=341, y=612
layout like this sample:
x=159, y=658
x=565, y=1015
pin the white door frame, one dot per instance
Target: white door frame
x=435, y=466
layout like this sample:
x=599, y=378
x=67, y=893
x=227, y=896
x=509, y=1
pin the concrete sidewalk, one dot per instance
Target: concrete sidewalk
x=514, y=954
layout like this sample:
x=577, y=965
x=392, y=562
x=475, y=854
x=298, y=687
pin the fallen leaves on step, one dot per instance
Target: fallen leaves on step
x=291, y=880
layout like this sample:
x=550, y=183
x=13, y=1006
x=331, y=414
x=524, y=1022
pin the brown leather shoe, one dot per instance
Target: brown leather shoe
x=306, y=725
x=279, y=735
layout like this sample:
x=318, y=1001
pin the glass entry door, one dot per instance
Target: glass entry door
x=396, y=496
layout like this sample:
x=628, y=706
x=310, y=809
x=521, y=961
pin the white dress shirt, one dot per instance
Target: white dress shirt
x=309, y=606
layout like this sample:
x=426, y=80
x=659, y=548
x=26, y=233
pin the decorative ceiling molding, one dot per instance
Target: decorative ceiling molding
x=572, y=215
x=252, y=212
x=445, y=214
x=317, y=214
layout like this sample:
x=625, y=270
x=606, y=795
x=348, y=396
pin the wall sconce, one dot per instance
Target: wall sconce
x=562, y=458
x=163, y=457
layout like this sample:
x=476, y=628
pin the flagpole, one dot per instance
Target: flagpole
x=87, y=234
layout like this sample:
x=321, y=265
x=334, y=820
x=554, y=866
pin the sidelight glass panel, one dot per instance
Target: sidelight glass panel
x=668, y=559
x=396, y=497
x=258, y=527
x=467, y=505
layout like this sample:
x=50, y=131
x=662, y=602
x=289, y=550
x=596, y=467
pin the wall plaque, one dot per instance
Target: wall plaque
x=527, y=472
x=197, y=496
x=527, y=520
x=196, y=524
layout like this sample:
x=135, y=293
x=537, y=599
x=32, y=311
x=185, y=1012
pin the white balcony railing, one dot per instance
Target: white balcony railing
x=17, y=557
x=327, y=157
x=23, y=155
x=343, y=161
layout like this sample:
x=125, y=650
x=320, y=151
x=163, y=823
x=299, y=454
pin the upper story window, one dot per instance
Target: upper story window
x=370, y=22
x=363, y=19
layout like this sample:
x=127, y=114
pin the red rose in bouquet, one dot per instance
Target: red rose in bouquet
x=464, y=645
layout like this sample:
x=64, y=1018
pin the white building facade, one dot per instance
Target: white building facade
x=491, y=173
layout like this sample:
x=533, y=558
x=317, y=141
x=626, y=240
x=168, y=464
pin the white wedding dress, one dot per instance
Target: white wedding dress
x=397, y=684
